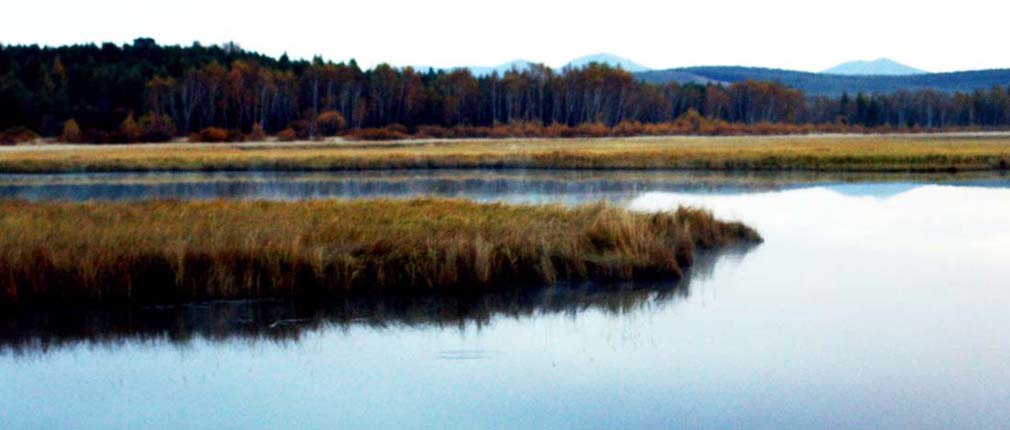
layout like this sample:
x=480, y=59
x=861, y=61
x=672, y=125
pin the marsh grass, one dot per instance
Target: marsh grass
x=169, y=252
x=874, y=153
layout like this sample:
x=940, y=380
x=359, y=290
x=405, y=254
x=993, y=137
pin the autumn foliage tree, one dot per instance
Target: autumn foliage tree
x=145, y=91
x=156, y=128
x=330, y=122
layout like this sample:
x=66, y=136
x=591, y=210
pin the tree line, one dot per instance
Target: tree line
x=144, y=91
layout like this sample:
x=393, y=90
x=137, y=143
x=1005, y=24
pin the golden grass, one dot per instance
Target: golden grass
x=180, y=251
x=820, y=153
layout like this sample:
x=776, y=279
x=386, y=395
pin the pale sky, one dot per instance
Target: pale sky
x=803, y=35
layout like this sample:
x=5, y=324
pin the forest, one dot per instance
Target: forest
x=149, y=92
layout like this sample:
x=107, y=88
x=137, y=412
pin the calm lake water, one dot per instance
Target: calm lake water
x=875, y=302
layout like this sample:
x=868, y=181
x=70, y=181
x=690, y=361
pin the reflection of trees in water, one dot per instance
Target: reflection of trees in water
x=488, y=183
x=29, y=332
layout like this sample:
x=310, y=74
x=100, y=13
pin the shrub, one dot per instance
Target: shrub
x=71, y=132
x=555, y=130
x=287, y=135
x=256, y=134
x=432, y=132
x=330, y=122
x=628, y=128
x=388, y=133
x=15, y=135
x=688, y=122
x=595, y=129
x=128, y=131
x=301, y=128
x=470, y=131
x=497, y=132
x=235, y=135
x=153, y=128
x=210, y=134
x=398, y=128
x=95, y=135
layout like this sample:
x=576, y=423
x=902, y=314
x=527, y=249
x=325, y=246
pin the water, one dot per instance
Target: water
x=875, y=302
x=499, y=185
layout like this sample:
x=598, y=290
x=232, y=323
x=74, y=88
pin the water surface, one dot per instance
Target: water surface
x=875, y=302
x=514, y=185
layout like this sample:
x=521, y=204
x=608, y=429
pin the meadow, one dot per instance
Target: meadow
x=172, y=251
x=822, y=153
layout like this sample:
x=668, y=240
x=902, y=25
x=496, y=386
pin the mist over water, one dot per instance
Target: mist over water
x=512, y=185
x=874, y=302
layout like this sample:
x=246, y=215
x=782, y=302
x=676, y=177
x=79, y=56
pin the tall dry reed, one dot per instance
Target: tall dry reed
x=156, y=252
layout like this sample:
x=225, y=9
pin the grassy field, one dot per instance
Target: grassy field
x=874, y=153
x=167, y=252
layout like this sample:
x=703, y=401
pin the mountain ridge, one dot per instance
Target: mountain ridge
x=820, y=84
x=811, y=83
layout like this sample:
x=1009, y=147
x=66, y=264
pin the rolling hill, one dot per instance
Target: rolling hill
x=878, y=76
x=833, y=84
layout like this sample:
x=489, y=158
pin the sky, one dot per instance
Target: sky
x=809, y=35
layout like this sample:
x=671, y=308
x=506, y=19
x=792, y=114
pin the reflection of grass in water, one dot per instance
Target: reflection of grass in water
x=168, y=252
x=36, y=331
x=820, y=153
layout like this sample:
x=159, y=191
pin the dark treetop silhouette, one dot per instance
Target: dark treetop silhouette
x=148, y=92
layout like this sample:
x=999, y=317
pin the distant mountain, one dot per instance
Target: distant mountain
x=501, y=68
x=834, y=85
x=878, y=67
x=481, y=70
x=609, y=59
x=603, y=58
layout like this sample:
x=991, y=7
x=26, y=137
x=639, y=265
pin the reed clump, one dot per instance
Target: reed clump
x=167, y=252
